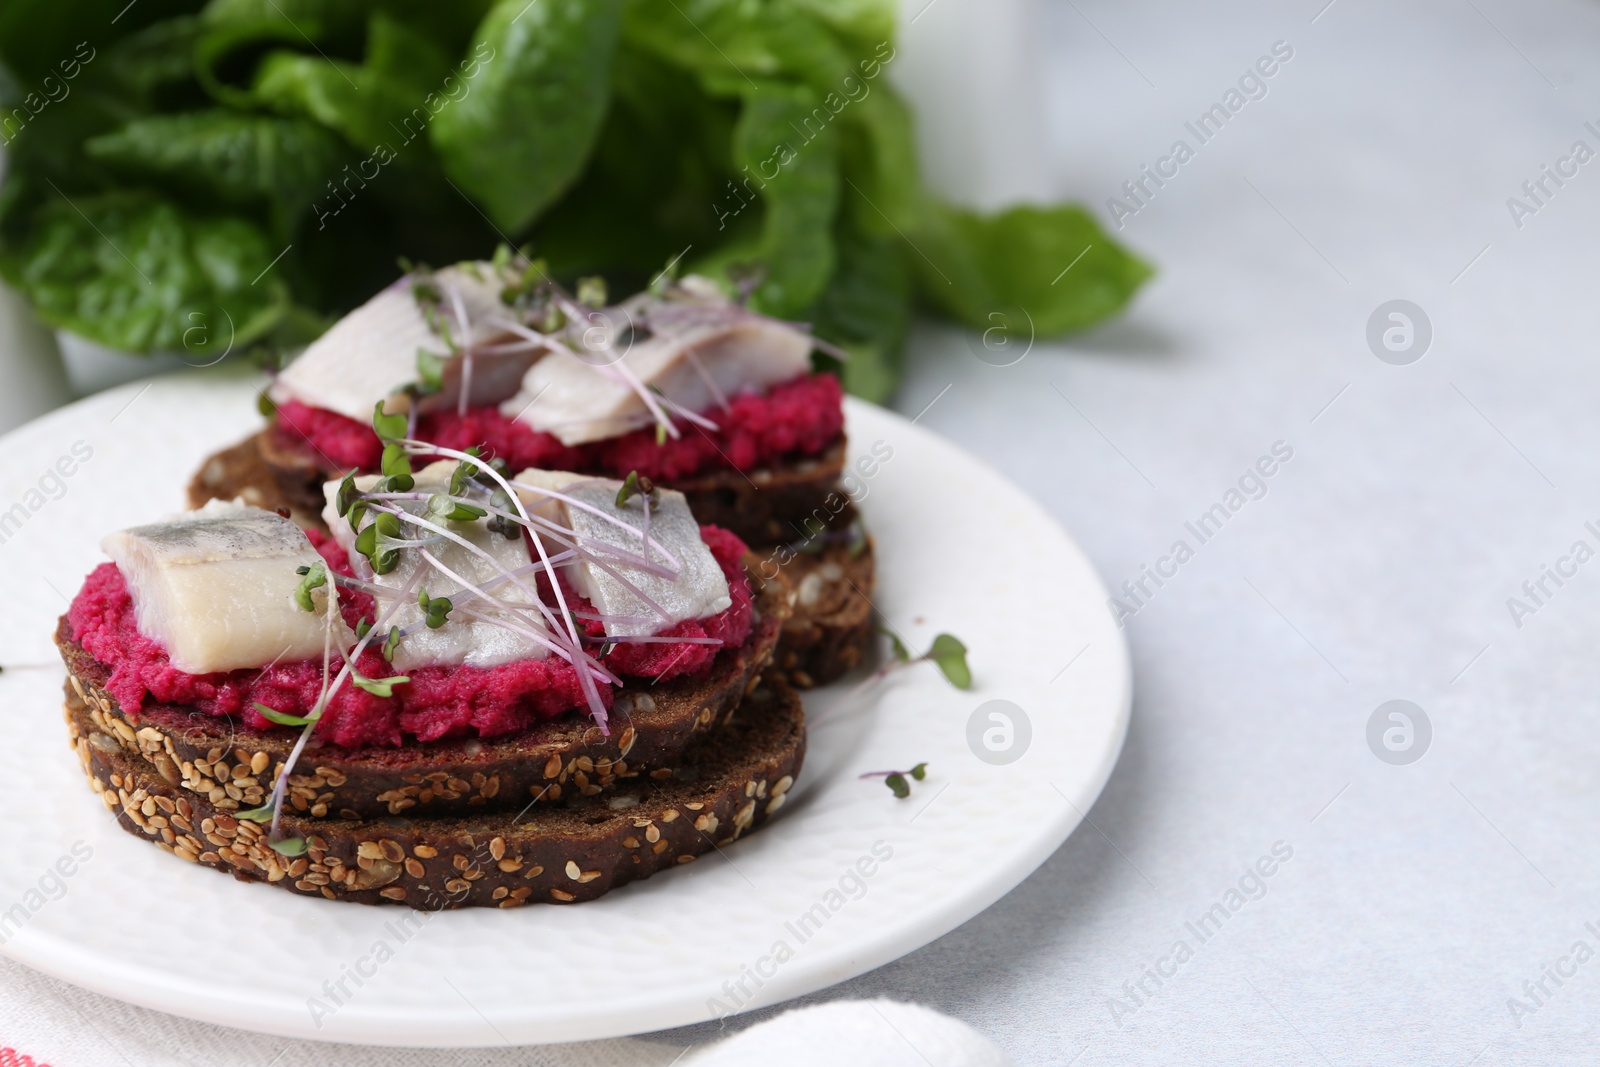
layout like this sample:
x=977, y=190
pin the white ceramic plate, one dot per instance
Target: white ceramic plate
x=960, y=549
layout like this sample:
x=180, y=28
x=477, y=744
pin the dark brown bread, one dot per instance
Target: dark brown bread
x=234, y=766
x=830, y=630
x=772, y=509
x=300, y=471
x=768, y=506
x=729, y=784
x=238, y=472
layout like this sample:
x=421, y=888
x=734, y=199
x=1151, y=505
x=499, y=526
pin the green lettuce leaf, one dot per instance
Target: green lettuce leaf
x=232, y=158
x=866, y=310
x=1055, y=263
x=534, y=106
x=135, y=272
x=798, y=183
x=389, y=97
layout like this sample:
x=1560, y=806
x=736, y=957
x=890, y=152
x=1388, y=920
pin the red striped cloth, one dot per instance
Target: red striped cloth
x=10, y=1057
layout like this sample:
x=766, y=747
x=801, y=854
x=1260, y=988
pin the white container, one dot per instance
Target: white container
x=93, y=367
x=970, y=72
x=32, y=380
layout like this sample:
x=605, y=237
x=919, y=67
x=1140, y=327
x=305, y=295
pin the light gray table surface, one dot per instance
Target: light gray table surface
x=1378, y=566
x=1419, y=898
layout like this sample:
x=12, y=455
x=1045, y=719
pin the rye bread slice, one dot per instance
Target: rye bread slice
x=830, y=630
x=820, y=641
x=234, y=766
x=729, y=784
x=764, y=507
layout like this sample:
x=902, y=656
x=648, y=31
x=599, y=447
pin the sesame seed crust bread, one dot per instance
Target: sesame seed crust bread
x=726, y=786
x=830, y=630
x=234, y=767
x=820, y=641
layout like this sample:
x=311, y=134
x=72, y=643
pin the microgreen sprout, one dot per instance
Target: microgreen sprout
x=396, y=467
x=636, y=484
x=389, y=427
x=445, y=508
x=461, y=477
x=947, y=653
x=282, y=718
x=378, y=687
x=266, y=405
x=289, y=846
x=896, y=780
x=435, y=609
x=430, y=371
x=312, y=577
x=390, y=643
x=506, y=527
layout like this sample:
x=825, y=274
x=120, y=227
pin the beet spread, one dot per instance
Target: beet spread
x=438, y=702
x=799, y=417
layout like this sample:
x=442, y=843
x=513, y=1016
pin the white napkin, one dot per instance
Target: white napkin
x=61, y=1026
x=855, y=1033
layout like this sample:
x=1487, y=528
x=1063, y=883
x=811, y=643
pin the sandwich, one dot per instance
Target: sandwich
x=467, y=685
x=680, y=385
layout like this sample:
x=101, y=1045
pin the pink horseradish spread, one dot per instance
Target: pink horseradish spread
x=800, y=417
x=438, y=702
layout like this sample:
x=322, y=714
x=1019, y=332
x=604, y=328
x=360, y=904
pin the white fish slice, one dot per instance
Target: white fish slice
x=629, y=597
x=698, y=351
x=462, y=640
x=216, y=588
x=371, y=353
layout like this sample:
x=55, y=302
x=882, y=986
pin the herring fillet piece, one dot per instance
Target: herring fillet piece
x=215, y=587
x=578, y=401
x=700, y=588
x=461, y=641
x=371, y=353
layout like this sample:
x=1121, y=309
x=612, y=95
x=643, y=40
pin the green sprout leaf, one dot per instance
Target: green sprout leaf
x=289, y=846
x=282, y=718
x=896, y=780
x=388, y=427
x=950, y=656
x=378, y=687
x=261, y=815
x=508, y=528
x=901, y=652
x=363, y=627
x=314, y=577
x=266, y=405
x=461, y=477
x=391, y=643
x=444, y=508
x=395, y=461
x=345, y=498
x=436, y=610
x=636, y=484
x=430, y=371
